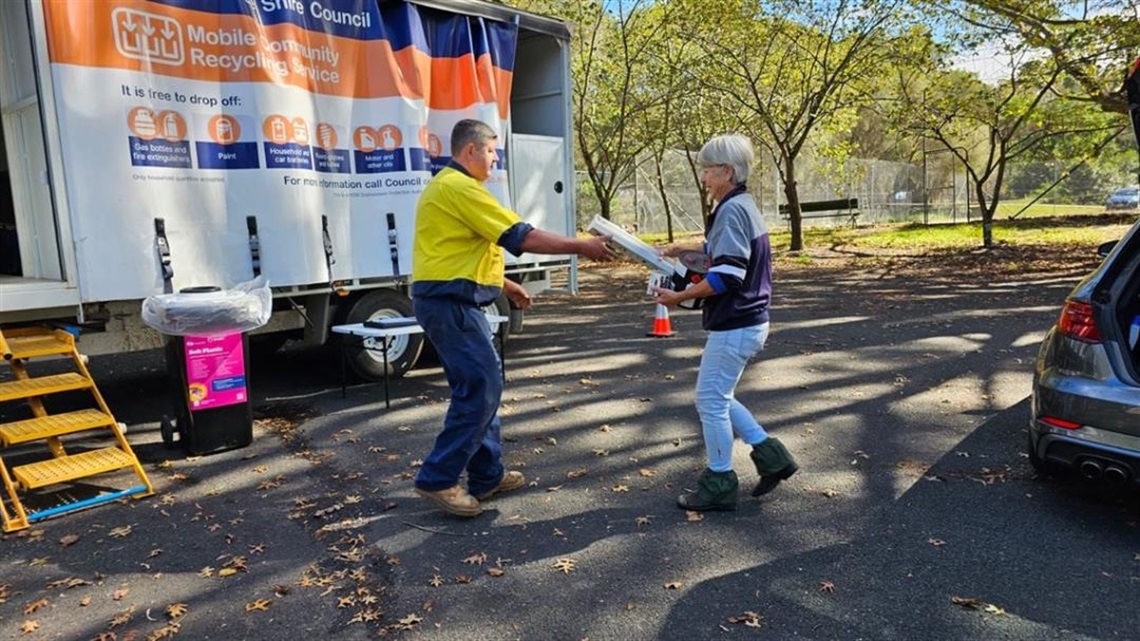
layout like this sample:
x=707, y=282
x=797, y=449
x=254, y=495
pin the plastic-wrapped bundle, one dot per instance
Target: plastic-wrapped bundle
x=204, y=311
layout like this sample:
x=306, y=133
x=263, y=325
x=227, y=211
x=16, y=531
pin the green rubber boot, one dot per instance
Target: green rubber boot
x=773, y=463
x=716, y=491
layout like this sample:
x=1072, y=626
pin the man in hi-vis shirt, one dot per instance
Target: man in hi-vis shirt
x=457, y=267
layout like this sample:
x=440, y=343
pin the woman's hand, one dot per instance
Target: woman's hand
x=673, y=251
x=667, y=297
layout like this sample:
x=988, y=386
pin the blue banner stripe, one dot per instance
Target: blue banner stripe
x=358, y=19
x=437, y=33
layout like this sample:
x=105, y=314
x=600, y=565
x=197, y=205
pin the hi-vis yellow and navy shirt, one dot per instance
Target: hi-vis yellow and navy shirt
x=461, y=231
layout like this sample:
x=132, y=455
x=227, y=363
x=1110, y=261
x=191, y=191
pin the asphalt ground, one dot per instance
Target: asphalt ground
x=899, y=384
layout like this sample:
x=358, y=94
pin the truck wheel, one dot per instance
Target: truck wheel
x=365, y=358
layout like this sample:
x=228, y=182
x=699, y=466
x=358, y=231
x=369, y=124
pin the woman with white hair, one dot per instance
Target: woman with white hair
x=735, y=295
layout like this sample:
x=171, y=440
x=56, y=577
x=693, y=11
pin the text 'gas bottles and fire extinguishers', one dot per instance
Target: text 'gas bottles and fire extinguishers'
x=689, y=268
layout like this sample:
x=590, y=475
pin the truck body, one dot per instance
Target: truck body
x=155, y=145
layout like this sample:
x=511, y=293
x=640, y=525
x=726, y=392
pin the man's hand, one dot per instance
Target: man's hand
x=517, y=294
x=595, y=248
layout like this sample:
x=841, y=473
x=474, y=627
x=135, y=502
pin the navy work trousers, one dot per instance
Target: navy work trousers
x=470, y=439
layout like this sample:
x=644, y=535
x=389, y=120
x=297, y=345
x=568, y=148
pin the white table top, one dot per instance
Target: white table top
x=358, y=329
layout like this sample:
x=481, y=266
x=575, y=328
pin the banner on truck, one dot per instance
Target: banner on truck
x=205, y=112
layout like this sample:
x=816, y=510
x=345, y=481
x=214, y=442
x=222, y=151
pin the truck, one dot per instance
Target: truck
x=151, y=146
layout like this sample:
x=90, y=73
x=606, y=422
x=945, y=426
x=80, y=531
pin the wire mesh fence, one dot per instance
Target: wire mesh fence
x=934, y=191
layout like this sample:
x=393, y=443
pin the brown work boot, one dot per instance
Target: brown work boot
x=454, y=500
x=511, y=480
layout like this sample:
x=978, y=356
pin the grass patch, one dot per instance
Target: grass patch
x=1039, y=229
x=1070, y=231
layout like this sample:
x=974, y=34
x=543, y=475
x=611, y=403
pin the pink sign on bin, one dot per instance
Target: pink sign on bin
x=215, y=370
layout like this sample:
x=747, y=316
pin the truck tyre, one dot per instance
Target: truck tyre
x=365, y=357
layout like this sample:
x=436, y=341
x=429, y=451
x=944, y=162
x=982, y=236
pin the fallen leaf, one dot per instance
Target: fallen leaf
x=410, y=620
x=993, y=609
x=476, y=559
x=206, y=572
x=121, y=618
x=43, y=560
x=120, y=594
x=673, y=585
x=693, y=516
x=176, y=610
x=165, y=632
x=620, y=488
x=830, y=493
x=120, y=532
x=578, y=473
x=646, y=472
x=29, y=626
x=826, y=586
x=643, y=520
x=68, y=539
x=462, y=579
x=749, y=619
x=227, y=572
x=258, y=605
x=153, y=553
x=605, y=428
x=601, y=452
x=85, y=601
x=565, y=565
x=436, y=581
x=35, y=605
x=551, y=440
x=966, y=602
x=495, y=571
x=554, y=488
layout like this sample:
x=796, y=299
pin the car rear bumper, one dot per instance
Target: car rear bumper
x=1089, y=459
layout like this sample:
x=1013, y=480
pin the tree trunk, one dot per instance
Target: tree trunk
x=664, y=198
x=987, y=208
x=791, y=193
x=604, y=207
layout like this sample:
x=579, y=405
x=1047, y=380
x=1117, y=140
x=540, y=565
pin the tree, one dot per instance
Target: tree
x=792, y=66
x=1092, y=42
x=987, y=127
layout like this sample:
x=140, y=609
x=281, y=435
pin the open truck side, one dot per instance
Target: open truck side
x=154, y=145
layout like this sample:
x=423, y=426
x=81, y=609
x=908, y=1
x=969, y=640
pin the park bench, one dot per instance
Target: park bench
x=839, y=208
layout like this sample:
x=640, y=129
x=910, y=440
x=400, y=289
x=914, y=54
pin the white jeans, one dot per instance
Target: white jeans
x=726, y=354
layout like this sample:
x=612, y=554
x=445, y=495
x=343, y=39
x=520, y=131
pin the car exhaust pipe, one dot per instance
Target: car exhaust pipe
x=1115, y=475
x=1090, y=469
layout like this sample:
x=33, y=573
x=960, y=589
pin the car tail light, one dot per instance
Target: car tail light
x=1077, y=322
x=1059, y=422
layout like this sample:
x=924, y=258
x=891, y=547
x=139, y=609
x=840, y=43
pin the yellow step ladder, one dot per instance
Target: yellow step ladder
x=17, y=346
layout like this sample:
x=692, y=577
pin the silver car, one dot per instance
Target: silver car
x=1123, y=198
x=1086, y=385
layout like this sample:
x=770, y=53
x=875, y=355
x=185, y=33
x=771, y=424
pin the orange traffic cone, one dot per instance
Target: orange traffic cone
x=662, y=327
